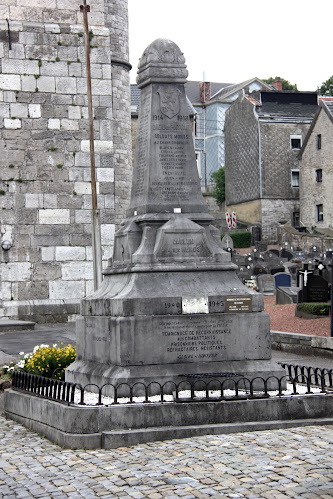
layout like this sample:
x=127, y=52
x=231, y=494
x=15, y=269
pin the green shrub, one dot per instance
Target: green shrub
x=219, y=188
x=314, y=308
x=240, y=239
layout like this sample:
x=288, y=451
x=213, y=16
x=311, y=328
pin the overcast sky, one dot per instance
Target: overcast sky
x=233, y=41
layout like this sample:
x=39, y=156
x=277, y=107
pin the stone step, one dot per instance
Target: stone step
x=8, y=325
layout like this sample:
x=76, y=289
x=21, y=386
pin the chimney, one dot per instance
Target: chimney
x=277, y=83
x=204, y=89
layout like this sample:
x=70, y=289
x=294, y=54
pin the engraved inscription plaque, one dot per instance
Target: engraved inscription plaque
x=238, y=304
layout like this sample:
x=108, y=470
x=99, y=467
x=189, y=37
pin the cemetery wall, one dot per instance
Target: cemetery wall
x=247, y=212
x=302, y=240
x=45, y=162
x=312, y=192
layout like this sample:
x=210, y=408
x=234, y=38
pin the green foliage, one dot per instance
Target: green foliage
x=314, y=308
x=2, y=192
x=286, y=85
x=240, y=239
x=219, y=189
x=326, y=87
x=11, y=165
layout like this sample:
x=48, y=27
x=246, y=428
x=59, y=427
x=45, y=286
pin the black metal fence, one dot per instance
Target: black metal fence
x=195, y=390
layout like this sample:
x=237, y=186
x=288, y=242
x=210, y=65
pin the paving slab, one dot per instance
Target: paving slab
x=295, y=462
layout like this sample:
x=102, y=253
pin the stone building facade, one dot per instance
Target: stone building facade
x=211, y=101
x=45, y=161
x=316, y=172
x=264, y=133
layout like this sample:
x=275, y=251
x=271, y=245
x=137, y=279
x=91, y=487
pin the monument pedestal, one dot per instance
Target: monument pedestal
x=171, y=306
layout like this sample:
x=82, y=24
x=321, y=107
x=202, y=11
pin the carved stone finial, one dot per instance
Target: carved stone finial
x=162, y=61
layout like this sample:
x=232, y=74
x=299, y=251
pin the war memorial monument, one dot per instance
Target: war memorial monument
x=171, y=304
x=171, y=310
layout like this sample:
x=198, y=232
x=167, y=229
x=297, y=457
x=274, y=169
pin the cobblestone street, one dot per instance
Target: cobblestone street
x=272, y=464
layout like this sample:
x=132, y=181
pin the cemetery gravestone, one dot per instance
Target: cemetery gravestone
x=282, y=279
x=286, y=254
x=259, y=269
x=266, y=284
x=170, y=302
x=227, y=243
x=316, y=289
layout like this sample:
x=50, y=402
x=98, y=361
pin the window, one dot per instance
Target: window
x=294, y=178
x=296, y=218
x=319, y=141
x=295, y=141
x=319, y=175
x=320, y=213
x=198, y=160
x=196, y=125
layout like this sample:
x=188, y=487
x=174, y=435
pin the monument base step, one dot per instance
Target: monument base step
x=95, y=427
x=169, y=375
x=8, y=325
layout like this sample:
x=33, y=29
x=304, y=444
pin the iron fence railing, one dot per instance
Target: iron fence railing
x=186, y=390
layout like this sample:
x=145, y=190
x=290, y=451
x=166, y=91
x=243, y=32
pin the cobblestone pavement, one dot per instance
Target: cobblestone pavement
x=271, y=464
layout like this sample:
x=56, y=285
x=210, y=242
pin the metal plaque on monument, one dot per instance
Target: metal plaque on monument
x=171, y=305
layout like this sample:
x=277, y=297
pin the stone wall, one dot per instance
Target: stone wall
x=302, y=240
x=45, y=161
x=274, y=212
x=312, y=192
x=278, y=159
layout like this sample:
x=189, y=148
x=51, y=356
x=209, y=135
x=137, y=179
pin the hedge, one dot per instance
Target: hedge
x=314, y=308
x=240, y=239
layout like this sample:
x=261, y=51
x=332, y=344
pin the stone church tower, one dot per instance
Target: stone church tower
x=45, y=189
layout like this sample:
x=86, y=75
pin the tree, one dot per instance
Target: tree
x=286, y=85
x=326, y=87
x=219, y=189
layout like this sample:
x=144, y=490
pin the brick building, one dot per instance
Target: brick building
x=316, y=171
x=45, y=161
x=264, y=132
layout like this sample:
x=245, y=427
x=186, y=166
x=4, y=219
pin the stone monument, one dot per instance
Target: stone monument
x=171, y=305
